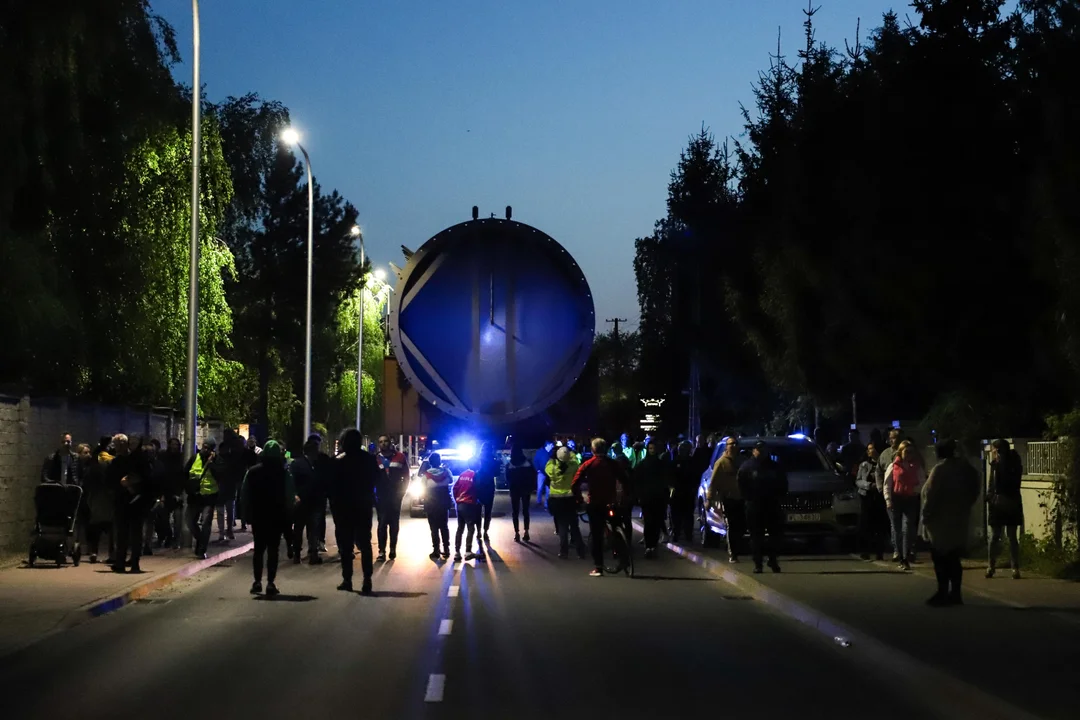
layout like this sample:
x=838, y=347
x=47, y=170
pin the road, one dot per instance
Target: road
x=524, y=635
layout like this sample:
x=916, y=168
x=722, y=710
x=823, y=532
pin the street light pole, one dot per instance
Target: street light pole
x=359, y=235
x=293, y=138
x=191, y=393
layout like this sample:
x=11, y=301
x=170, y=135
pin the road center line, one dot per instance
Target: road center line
x=444, y=629
x=436, y=684
x=453, y=591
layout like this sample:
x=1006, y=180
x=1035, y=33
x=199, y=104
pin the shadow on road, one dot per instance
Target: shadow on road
x=851, y=572
x=286, y=598
x=397, y=594
x=638, y=576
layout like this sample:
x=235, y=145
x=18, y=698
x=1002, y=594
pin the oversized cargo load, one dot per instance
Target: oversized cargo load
x=492, y=322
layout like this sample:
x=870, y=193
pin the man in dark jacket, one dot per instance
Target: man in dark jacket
x=652, y=481
x=487, y=473
x=129, y=476
x=393, y=482
x=229, y=469
x=762, y=483
x=686, y=477
x=268, y=496
x=352, y=498
x=307, y=475
x=61, y=466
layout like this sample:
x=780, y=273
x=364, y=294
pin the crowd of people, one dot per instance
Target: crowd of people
x=144, y=497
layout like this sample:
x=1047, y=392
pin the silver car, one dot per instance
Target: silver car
x=821, y=501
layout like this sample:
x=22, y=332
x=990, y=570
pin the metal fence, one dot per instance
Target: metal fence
x=1045, y=458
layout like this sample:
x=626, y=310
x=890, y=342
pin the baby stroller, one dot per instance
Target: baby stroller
x=54, y=527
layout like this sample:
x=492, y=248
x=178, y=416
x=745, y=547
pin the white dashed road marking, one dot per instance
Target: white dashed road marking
x=445, y=627
x=453, y=591
x=435, y=686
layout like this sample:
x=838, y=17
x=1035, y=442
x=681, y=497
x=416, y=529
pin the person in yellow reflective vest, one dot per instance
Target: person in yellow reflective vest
x=202, y=495
x=560, y=472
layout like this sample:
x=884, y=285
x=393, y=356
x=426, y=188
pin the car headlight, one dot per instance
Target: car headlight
x=846, y=496
x=416, y=488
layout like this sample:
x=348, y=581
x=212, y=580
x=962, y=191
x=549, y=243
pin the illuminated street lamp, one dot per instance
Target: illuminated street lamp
x=357, y=233
x=291, y=137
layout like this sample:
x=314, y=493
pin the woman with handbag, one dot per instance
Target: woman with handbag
x=1004, y=508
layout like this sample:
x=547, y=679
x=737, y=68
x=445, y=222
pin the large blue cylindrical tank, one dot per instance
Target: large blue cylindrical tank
x=492, y=321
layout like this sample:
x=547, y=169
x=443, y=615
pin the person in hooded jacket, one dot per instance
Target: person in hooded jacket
x=437, y=481
x=561, y=471
x=686, y=478
x=486, y=474
x=352, y=503
x=521, y=477
x=267, y=499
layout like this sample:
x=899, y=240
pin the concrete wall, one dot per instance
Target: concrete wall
x=30, y=429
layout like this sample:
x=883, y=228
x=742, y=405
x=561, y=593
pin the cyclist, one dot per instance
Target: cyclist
x=604, y=478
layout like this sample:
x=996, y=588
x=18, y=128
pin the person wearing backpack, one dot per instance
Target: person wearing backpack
x=902, y=484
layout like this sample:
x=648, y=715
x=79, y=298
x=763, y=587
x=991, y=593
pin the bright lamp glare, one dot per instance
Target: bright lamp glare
x=355, y=231
x=416, y=488
x=290, y=136
x=380, y=274
x=466, y=450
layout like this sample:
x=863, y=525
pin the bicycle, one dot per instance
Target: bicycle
x=618, y=554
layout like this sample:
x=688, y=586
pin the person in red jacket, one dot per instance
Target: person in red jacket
x=604, y=479
x=390, y=491
x=468, y=515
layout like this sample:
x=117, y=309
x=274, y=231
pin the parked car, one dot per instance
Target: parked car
x=821, y=501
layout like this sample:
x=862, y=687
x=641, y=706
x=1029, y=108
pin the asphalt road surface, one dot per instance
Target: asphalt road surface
x=524, y=635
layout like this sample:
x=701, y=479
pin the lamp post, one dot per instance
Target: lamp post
x=191, y=392
x=292, y=137
x=357, y=233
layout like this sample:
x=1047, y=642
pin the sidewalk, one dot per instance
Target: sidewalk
x=35, y=602
x=1016, y=640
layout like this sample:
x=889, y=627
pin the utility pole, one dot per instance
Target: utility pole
x=191, y=391
x=616, y=322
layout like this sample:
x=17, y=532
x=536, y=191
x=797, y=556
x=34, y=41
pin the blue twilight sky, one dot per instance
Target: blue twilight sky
x=571, y=111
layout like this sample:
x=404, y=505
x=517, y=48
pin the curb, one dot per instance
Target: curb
x=948, y=697
x=97, y=608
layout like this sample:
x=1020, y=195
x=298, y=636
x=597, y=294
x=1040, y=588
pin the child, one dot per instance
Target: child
x=437, y=479
x=468, y=508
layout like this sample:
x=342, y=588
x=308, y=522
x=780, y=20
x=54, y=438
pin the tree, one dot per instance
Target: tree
x=617, y=364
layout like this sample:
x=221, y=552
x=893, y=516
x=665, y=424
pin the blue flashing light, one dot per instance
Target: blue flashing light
x=798, y=436
x=466, y=450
